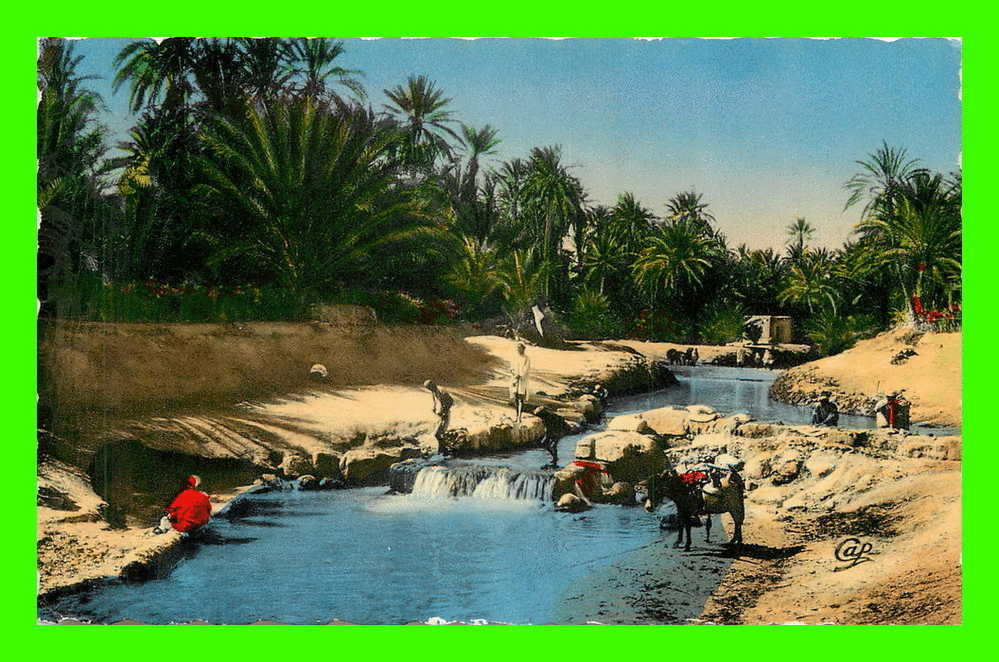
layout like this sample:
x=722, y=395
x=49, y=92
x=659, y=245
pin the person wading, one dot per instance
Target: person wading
x=189, y=511
x=826, y=412
x=520, y=388
x=442, y=409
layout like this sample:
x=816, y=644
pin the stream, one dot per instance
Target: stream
x=496, y=552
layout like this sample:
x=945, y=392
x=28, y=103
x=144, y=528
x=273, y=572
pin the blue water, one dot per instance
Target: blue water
x=363, y=556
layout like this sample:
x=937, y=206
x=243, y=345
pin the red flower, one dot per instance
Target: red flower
x=693, y=477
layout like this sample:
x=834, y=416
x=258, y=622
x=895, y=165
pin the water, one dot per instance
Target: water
x=746, y=390
x=472, y=542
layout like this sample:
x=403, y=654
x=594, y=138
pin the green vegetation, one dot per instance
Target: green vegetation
x=257, y=182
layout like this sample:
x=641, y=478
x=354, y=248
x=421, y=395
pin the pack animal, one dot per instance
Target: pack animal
x=691, y=501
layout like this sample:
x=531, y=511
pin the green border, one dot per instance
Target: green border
x=506, y=19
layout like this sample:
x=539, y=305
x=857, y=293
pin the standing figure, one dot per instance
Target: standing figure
x=442, y=409
x=189, y=511
x=826, y=412
x=520, y=387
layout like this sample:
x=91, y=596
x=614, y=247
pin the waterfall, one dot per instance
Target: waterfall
x=483, y=482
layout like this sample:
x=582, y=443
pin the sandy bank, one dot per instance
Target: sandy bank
x=931, y=376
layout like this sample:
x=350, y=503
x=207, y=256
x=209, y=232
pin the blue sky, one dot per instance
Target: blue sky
x=766, y=129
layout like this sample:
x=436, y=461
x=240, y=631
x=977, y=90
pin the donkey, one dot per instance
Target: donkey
x=689, y=503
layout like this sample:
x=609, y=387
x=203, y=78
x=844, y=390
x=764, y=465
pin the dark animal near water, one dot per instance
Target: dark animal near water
x=674, y=356
x=692, y=502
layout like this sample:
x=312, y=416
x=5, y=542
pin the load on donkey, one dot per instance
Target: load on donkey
x=719, y=489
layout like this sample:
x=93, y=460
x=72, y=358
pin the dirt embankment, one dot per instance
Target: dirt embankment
x=930, y=375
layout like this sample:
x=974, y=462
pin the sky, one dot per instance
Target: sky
x=766, y=129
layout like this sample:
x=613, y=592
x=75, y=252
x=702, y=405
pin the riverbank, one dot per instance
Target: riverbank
x=927, y=366
x=352, y=434
x=809, y=490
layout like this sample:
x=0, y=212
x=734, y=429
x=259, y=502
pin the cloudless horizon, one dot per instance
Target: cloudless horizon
x=766, y=129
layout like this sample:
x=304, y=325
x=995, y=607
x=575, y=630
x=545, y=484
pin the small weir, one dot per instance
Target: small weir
x=483, y=482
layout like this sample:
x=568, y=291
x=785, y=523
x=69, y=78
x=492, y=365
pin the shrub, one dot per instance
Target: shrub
x=659, y=325
x=832, y=333
x=591, y=316
x=722, y=322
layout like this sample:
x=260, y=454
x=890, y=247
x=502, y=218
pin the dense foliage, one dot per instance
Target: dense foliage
x=258, y=181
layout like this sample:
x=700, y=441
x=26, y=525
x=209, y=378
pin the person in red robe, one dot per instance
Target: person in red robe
x=189, y=511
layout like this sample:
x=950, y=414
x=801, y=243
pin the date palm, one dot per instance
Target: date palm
x=309, y=196
x=157, y=72
x=314, y=63
x=675, y=259
x=267, y=66
x=880, y=179
x=810, y=282
x=420, y=107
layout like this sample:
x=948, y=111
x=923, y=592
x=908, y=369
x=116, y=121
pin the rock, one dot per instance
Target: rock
x=621, y=493
x=630, y=423
x=757, y=430
x=332, y=484
x=627, y=455
x=565, y=480
x=504, y=436
x=933, y=448
x=668, y=422
x=702, y=414
x=319, y=372
x=271, y=480
x=729, y=424
x=402, y=475
x=820, y=466
x=758, y=467
x=293, y=466
x=327, y=465
x=570, y=503
x=307, y=483
x=787, y=472
x=368, y=465
x=590, y=406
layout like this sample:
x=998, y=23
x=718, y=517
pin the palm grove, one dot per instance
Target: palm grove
x=258, y=181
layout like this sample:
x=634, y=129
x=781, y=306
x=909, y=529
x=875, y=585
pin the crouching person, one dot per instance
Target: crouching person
x=189, y=511
x=826, y=412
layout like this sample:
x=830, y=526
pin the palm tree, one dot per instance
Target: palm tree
x=810, y=282
x=880, y=179
x=687, y=205
x=309, y=195
x=521, y=277
x=675, y=259
x=267, y=66
x=71, y=172
x=478, y=142
x=156, y=70
x=420, y=107
x=606, y=255
x=799, y=233
x=474, y=274
x=314, y=64
x=633, y=218
x=553, y=198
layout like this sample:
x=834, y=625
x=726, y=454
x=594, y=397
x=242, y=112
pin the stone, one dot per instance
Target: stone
x=293, y=466
x=307, y=483
x=627, y=455
x=758, y=467
x=402, y=475
x=590, y=406
x=630, y=423
x=756, y=429
x=565, y=480
x=787, y=472
x=570, y=503
x=932, y=448
x=369, y=464
x=621, y=493
x=319, y=372
x=668, y=422
x=327, y=465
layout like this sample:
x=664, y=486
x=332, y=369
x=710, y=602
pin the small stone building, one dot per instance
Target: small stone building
x=768, y=329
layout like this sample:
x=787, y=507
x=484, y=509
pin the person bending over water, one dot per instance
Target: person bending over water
x=442, y=409
x=826, y=412
x=520, y=388
x=189, y=511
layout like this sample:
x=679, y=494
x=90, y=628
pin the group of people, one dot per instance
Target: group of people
x=520, y=395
